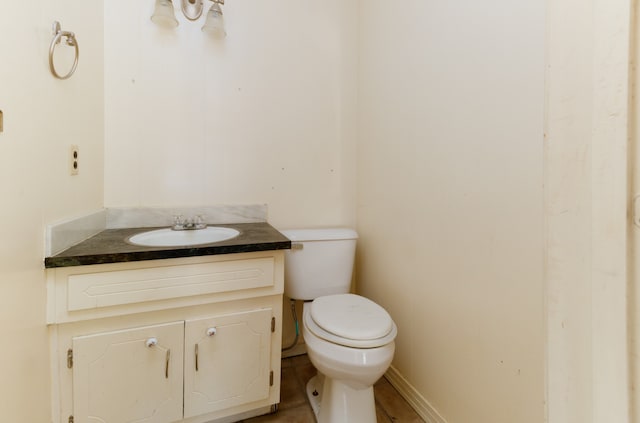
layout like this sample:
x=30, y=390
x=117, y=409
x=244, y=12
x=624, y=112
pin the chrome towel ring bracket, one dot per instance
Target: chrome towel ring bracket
x=58, y=35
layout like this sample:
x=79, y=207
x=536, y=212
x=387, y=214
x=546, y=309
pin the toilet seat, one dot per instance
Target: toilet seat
x=350, y=320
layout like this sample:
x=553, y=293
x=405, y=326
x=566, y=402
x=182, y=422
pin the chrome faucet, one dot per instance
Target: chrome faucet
x=182, y=224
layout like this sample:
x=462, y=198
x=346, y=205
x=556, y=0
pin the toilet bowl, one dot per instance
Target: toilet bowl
x=349, y=338
x=348, y=368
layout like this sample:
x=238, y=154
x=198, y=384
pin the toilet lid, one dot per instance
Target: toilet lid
x=351, y=317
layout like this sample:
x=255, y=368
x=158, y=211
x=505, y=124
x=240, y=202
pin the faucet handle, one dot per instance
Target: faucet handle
x=198, y=221
x=178, y=221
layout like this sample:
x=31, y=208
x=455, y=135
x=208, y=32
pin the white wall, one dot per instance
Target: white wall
x=42, y=118
x=265, y=116
x=450, y=199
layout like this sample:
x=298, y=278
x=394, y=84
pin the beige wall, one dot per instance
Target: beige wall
x=634, y=232
x=450, y=199
x=446, y=102
x=586, y=202
x=42, y=118
x=266, y=116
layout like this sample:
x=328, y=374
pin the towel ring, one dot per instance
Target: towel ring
x=71, y=41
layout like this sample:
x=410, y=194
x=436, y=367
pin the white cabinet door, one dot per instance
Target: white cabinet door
x=227, y=361
x=132, y=375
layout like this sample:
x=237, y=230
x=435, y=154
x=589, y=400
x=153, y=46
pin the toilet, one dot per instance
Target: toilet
x=349, y=338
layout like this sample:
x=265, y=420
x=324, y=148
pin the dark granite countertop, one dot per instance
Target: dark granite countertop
x=110, y=246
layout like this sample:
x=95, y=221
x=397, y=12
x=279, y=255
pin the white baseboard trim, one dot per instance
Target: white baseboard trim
x=413, y=397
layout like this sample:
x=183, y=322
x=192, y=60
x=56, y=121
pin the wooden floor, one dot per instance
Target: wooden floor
x=294, y=406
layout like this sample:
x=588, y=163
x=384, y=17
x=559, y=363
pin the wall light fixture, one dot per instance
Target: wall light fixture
x=164, y=15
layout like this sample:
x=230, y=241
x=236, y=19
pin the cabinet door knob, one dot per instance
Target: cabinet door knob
x=211, y=331
x=152, y=342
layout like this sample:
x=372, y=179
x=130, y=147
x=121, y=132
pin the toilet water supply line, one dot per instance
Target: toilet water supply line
x=295, y=321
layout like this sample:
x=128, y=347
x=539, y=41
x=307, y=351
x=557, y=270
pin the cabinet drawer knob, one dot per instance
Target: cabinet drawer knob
x=211, y=331
x=152, y=342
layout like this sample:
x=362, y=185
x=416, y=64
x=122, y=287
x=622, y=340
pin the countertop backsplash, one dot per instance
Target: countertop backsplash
x=67, y=233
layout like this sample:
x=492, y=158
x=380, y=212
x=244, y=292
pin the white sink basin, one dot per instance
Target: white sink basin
x=170, y=238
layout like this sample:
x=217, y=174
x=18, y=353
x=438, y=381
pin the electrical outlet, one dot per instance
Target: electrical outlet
x=73, y=160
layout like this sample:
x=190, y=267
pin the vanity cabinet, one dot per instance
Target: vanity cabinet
x=202, y=344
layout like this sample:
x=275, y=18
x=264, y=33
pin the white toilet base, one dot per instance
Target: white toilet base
x=337, y=402
x=314, y=393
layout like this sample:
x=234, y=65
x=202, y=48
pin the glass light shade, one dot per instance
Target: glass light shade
x=214, y=24
x=164, y=15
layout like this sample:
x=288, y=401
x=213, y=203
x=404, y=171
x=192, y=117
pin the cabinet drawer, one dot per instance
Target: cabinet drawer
x=105, y=289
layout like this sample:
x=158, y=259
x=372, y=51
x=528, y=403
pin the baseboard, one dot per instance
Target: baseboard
x=413, y=397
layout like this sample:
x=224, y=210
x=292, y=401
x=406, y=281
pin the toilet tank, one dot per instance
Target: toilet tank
x=319, y=263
